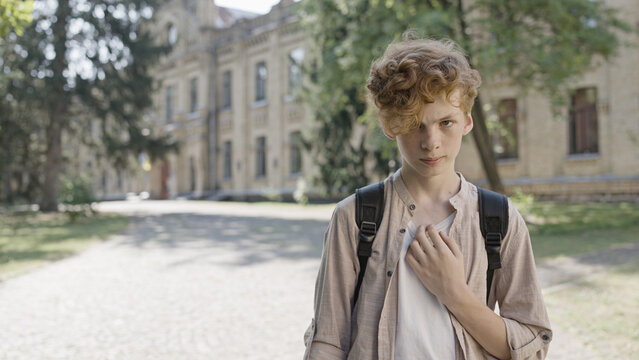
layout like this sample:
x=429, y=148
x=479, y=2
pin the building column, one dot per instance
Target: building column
x=212, y=123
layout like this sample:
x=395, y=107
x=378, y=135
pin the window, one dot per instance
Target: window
x=260, y=81
x=193, y=104
x=104, y=180
x=119, y=179
x=172, y=34
x=226, y=92
x=583, y=122
x=260, y=159
x=169, y=103
x=227, y=160
x=505, y=134
x=192, y=171
x=296, y=152
x=294, y=70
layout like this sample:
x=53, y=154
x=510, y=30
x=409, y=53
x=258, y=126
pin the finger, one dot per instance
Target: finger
x=416, y=251
x=415, y=262
x=437, y=241
x=424, y=241
x=451, y=243
x=411, y=260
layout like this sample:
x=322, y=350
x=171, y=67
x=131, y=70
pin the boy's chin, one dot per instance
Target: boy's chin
x=433, y=171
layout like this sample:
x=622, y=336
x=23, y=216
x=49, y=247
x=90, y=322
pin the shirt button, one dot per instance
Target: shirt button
x=389, y=273
x=412, y=206
x=402, y=230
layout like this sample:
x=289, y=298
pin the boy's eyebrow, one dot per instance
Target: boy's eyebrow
x=446, y=117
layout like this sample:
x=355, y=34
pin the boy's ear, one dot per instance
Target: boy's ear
x=392, y=137
x=468, y=126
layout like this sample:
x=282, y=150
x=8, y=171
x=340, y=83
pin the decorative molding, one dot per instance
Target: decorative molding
x=583, y=157
x=291, y=28
x=603, y=107
x=257, y=40
x=259, y=118
x=294, y=113
x=226, y=123
x=225, y=50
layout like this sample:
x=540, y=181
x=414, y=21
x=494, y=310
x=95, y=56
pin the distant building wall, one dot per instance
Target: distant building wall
x=240, y=139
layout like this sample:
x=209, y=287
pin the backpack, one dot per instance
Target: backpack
x=369, y=211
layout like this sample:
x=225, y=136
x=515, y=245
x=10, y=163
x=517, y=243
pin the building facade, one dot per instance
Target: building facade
x=226, y=93
x=592, y=148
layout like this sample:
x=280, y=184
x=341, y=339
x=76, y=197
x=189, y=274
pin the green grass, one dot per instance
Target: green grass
x=30, y=240
x=602, y=311
x=560, y=229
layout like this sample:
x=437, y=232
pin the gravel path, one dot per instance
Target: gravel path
x=198, y=281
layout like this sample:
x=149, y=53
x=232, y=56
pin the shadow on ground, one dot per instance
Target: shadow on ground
x=568, y=269
x=252, y=240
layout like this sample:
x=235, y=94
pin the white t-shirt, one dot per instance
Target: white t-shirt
x=424, y=329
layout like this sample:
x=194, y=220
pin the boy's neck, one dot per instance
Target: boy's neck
x=435, y=189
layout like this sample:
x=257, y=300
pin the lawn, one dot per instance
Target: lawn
x=29, y=240
x=602, y=311
x=564, y=229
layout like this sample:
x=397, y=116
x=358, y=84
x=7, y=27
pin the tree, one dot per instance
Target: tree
x=91, y=56
x=537, y=45
x=14, y=15
x=21, y=132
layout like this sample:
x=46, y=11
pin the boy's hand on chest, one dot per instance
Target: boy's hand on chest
x=438, y=263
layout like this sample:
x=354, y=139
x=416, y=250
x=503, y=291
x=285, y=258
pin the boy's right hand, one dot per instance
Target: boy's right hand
x=438, y=263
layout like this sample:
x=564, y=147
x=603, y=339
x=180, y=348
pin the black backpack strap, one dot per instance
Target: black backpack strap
x=493, y=221
x=369, y=210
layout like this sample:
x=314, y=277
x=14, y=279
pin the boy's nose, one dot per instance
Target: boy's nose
x=430, y=141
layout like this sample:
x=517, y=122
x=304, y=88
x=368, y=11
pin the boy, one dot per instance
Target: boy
x=423, y=295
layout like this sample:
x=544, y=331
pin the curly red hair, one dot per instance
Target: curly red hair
x=414, y=72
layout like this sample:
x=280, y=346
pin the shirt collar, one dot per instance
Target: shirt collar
x=456, y=201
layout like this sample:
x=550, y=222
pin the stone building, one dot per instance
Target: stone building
x=226, y=93
x=592, y=150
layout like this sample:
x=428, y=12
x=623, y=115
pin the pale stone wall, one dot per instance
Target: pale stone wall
x=544, y=165
x=274, y=118
x=189, y=59
x=207, y=52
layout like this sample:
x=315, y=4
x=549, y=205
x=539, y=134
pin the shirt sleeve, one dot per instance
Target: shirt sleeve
x=518, y=292
x=328, y=336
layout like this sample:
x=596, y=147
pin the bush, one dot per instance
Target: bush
x=301, y=192
x=76, y=197
x=524, y=202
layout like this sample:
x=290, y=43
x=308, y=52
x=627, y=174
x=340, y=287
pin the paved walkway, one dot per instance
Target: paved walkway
x=189, y=281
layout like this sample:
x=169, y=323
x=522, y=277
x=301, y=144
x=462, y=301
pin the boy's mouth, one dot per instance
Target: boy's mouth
x=431, y=161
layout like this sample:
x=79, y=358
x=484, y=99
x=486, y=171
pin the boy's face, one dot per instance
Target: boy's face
x=431, y=149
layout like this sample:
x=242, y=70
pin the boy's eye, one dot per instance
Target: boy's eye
x=447, y=123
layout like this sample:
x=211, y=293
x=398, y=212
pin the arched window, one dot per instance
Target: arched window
x=172, y=34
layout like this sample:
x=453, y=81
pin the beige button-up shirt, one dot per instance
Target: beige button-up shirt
x=366, y=330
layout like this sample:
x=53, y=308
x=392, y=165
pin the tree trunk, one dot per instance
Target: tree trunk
x=484, y=147
x=480, y=131
x=6, y=183
x=58, y=111
x=53, y=165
